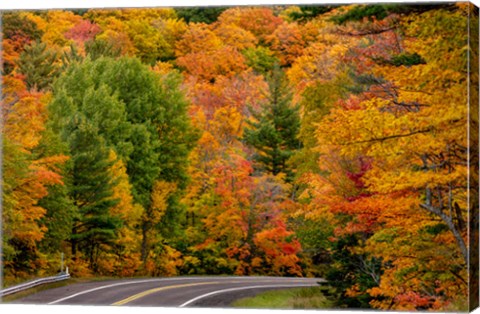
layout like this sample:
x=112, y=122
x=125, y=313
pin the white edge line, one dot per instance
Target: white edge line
x=120, y=284
x=241, y=288
x=142, y=281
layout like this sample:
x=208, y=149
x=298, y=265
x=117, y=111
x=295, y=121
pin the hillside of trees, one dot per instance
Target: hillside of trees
x=326, y=141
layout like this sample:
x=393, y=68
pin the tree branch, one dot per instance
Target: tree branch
x=451, y=226
x=366, y=32
x=381, y=139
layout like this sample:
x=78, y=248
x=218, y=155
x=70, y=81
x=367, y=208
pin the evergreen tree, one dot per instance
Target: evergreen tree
x=350, y=268
x=88, y=125
x=38, y=65
x=206, y=15
x=90, y=121
x=18, y=31
x=15, y=25
x=91, y=191
x=162, y=137
x=70, y=57
x=101, y=48
x=139, y=114
x=274, y=131
x=60, y=210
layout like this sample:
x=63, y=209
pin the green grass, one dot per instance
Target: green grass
x=298, y=298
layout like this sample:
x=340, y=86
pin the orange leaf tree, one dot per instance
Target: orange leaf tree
x=408, y=119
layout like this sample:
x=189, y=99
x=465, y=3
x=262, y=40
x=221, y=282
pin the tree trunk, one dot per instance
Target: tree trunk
x=451, y=226
x=144, y=254
x=74, y=243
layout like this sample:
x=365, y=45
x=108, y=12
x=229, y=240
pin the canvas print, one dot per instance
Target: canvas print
x=281, y=157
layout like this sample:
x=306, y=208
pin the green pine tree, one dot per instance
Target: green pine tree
x=142, y=116
x=101, y=48
x=274, y=131
x=61, y=211
x=38, y=65
x=17, y=28
x=91, y=191
x=90, y=121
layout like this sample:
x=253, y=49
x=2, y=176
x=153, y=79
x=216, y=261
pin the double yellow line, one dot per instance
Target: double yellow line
x=147, y=292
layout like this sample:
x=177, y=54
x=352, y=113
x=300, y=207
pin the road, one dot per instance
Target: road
x=211, y=291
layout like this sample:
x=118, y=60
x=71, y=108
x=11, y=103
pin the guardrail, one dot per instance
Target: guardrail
x=34, y=283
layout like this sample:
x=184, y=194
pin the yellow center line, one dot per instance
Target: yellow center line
x=147, y=292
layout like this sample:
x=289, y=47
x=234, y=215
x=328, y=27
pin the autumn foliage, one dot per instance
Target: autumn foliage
x=282, y=141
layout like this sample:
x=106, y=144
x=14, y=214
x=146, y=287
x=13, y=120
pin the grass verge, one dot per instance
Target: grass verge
x=297, y=298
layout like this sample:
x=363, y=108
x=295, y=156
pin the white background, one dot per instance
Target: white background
x=48, y=4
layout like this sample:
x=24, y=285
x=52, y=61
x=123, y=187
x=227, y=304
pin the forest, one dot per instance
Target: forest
x=317, y=141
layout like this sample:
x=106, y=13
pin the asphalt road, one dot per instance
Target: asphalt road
x=211, y=291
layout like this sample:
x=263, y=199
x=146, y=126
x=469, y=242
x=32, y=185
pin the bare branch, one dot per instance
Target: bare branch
x=381, y=139
x=451, y=225
x=366, y=32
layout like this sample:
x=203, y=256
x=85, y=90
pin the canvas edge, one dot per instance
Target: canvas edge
x=473, y=180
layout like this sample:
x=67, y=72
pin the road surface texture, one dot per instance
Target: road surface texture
x=165, y=292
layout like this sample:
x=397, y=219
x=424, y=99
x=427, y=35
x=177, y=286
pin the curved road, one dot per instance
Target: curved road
x=165, y=292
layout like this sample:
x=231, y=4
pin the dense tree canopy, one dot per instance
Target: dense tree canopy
x=327, y=141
